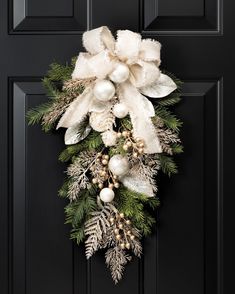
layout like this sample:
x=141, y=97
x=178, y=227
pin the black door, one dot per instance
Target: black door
x=186, y=254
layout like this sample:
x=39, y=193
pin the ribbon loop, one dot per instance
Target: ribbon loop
x=98, y=40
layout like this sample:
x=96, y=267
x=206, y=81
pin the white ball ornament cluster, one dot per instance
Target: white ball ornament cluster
x=106, y=195
x=104, y=90
x=119, y=165
x=120, y=73
x=120, y=110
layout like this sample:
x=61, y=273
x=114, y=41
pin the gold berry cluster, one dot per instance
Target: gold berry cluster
x=102, y=174
x=122, y=230
x=131, y=144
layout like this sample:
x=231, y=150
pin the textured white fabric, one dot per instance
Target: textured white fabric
x=143, y=73
x=141, y=110
x=150, y=51
x=128, y=45
x=98, y=39
x=142, y=57
x=77, y=109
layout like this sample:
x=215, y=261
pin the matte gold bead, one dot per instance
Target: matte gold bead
x=141, y=144
x=99, y=154
x=111, y=186
x=125, y=133
x=141, y=150
x=116, y=231
x=122, y=245
x=128, y=232
x=128, y=245
x=125, y=147
x=118, y=237
x=94, y=181
x=104, y=161
x=128, y=222
x=116, y=185
x=115, y=177
x=119, y=135
x=132, y=237
x=111, y=219
x=129, y=144
x=120, y=226
x=121, y=215
x=103, y=174
x=106, y=157
x=100, y=185
x=135, y=154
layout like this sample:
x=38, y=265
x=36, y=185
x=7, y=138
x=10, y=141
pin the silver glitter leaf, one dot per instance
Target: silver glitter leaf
x=137, y=184
x=77, y=133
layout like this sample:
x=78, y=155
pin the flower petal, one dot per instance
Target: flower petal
x=98, y=39
x=150, y=51
x=144, y=73
x=163, y=87
x=127, y=45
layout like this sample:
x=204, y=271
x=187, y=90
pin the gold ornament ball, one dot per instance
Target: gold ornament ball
x=141, y=150
x=122, y=245
x=116, y=185
x=128, y=245
x=103, y=173
x=125, y=147
x=116, y=231
x=132, y=237
x=111, y=219
x=121, y=215
x=104, y=161
x=125, y=133
x=135, y=154
x=118, y=237
x=128, y=232
x=106, y=157
x=94, y=181
x=119, y=135
x=128, y=222
x=100, y=185
x=120, y=226
x=129, y=144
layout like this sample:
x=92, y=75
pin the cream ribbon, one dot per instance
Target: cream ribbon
x=143, y=59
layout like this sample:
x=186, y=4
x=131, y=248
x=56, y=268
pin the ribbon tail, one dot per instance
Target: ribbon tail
x=77, y=109
x=141, y=110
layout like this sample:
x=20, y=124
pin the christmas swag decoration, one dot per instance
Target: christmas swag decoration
x=117, y=139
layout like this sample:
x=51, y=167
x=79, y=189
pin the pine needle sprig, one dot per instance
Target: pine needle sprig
x=116, y=259
x=96, y=228
x=168, y=165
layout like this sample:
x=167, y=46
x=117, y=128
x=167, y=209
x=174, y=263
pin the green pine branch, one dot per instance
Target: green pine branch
x=77, y=212
x=169, y=119
x=135, y=206
x=168, y=165
x=92, y=142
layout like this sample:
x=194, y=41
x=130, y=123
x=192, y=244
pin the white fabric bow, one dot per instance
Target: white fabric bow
x=102, y=57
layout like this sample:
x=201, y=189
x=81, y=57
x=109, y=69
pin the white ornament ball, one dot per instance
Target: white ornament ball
x=119, y=165
x=120, y=110
x=120, y=73
x=104, y=90
x=109, y=138
x=106, y=195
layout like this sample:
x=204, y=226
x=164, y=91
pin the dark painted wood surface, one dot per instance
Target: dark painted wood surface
x=185, y=255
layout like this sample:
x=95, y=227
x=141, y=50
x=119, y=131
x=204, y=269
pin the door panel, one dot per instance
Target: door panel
x=185, y=254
